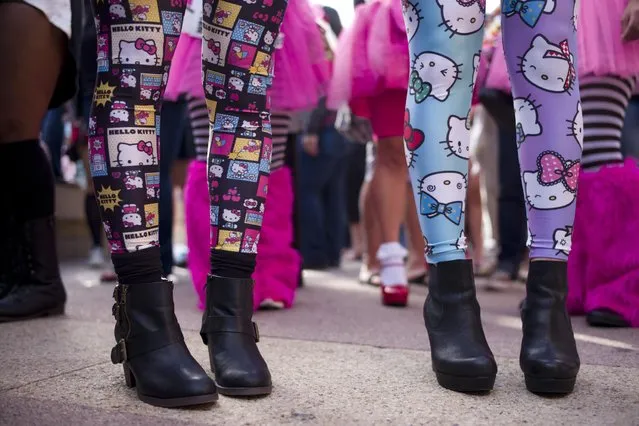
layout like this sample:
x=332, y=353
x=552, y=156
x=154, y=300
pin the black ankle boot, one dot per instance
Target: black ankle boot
x=230, y=334
x=151, y=348
x=34, y=287
x=549, y=357
x=462, y=360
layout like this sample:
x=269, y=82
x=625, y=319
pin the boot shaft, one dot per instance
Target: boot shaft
x=229, y=297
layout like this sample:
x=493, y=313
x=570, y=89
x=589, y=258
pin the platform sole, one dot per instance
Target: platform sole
x=258, y=391
x=465, y=383
x=550, y=385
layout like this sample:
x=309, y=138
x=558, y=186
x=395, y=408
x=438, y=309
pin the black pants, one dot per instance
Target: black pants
x=511, y=204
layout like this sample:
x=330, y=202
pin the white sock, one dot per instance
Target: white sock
x=391, y=258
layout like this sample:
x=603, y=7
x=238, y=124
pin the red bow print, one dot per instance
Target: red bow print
x=261, y=16
x=414, y=138
x=214, y=46
x=147, y=45
x=565, y=55
x=146, y=147
x=555, y=169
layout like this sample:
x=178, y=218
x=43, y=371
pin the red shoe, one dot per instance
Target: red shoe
x=394, y=295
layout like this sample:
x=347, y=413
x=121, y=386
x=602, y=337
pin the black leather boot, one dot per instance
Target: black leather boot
x=151, y=348
x=462, y=360
x=549, y=357
x=34, y=287
x=230, y=334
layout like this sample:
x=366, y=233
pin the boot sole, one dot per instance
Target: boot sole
x=185, y=401
x=54, y=311
x=465, y=383
x=550, y=386
x=264, y=390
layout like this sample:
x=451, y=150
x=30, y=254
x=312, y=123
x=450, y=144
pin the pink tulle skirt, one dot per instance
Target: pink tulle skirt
x=601, y=50
x=278, y=263
x=302, y=69
x=362, y=67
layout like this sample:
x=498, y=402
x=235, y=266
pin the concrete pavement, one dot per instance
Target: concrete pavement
x=338, y=357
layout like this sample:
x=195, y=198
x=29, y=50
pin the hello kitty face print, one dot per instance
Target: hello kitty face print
x=211, y=51
x=548, y=66
x=527, y=119
x=442, y=195
x=458, y=138
x=462, y=17
x=554, y=184
x=432, y=76
x=530, y=11
x=412, y=18
x=562, y=240
x=135, y=154
x=576, y=126
x=139, y=52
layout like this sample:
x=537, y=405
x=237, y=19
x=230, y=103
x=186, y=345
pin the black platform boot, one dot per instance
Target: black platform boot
x=231, y=336
x=151, y=348
x=549, y=357
x=37, y=288
x=462, y=360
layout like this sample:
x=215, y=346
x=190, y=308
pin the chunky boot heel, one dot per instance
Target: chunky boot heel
x=549, y=357
x=151, y=347
x=231, y=336
x=31, y=275
x=462, y=360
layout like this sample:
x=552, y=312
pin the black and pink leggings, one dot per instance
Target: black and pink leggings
x=136, y=42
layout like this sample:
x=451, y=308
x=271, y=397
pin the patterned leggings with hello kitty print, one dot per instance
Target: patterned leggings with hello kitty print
x=136, y=42
x=445, y=38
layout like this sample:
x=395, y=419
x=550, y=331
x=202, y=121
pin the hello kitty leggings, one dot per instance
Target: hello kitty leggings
x=136, y=42
x=445, y=38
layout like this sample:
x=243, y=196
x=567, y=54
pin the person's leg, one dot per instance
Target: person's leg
x=415, y=263
x=30, y=283
x=369, y=272
x=603, y=269
x=125, y=151
x=237, y=71
x=173, y=123
x=539, y=50
x=474, y=219
x=53, y=135
x=355, y=171
x=445, y=39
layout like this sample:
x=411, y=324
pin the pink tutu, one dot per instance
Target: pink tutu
x=601, y=50
x=361, y=67
x=497, y=76
x=185, y=76
x=302, y=70
x=278, y=263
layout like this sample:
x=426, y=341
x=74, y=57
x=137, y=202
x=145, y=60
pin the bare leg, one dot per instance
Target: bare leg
x=475, y=213
x=416, y=264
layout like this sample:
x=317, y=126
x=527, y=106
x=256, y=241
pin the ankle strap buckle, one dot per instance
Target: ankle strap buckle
x=118, y=353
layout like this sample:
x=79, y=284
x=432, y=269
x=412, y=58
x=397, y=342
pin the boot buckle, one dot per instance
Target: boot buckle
x=256, y=332
x=118, y=353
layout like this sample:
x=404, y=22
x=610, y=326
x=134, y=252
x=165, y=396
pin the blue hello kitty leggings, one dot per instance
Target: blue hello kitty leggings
x=445, y=38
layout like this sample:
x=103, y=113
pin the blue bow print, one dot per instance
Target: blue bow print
x=421, y=89
x=530, y=11
x=432, y=208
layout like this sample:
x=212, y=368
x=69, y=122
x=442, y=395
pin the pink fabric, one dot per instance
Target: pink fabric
x=361, y=67
x=302, y=70
x=387, y=113
x=186, y=69
x=603, y=267
x=601, y=50
x=278, y=264
x=497, y=75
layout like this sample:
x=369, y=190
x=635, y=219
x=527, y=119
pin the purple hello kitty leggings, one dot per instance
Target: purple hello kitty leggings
x=445, y=38
x=136, y=42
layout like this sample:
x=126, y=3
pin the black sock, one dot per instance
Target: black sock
x=25, y=168
x=143, y=266
x=231, y=264
x=93, y=218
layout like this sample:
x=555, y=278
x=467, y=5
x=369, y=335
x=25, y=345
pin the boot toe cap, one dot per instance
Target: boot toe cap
x=551, y=368
x=478, y=365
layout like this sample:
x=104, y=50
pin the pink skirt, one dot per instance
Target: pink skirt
x=185, y=76
x=361, y=67
x=302, y=69
x=601, y=50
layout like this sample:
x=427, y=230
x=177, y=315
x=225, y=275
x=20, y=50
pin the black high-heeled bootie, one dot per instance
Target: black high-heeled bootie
x=33, y=287
x=231, y=336
x=461, y=358
x=151, y=348
x=549, y=357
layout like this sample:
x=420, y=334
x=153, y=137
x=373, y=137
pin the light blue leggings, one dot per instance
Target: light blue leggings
x=445, y=38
